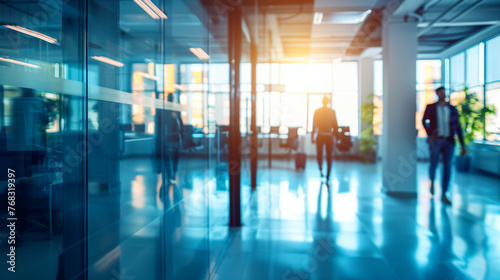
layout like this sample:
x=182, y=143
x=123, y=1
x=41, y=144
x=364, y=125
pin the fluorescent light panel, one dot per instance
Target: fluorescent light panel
x=19, y=62
x=364, y=15
x=150, y=8
x=108, y=61
x=337, y=60
x=149, y=76
x=318, y=18
x=155, y=9
x=200, y=53
x=179, y=87
x=346, y=17
x=32, y=33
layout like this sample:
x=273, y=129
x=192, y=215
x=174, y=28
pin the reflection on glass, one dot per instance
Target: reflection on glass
x=428, y=79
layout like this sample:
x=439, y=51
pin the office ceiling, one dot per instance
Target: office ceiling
x=441, y=23
x=284, y=29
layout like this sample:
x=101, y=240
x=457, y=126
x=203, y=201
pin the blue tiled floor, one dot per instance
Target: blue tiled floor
x=295, y=227
x=298, y=228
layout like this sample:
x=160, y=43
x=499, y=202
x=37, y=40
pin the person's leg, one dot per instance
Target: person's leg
x=448, y=149
x=319, y=153
x=329, y=150
x=175, y=163
x=434, y=158
x=168, y=166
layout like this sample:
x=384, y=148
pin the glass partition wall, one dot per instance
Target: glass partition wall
x=113, y=124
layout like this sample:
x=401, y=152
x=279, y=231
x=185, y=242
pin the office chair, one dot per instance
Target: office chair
x=292, y=142
x=343, y=141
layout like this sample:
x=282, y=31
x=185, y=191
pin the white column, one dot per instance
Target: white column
x=399, y=156
x=365, y=69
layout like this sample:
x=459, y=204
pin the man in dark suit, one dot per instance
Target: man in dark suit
x=325, y=122
x=441, y=122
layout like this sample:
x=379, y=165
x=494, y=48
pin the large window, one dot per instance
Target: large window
x=378, y=93
x=493, y=121
x=345, y=94
x=492, y=61
x=478, y=70
x=457, y=72
x=288, y=94
x=428, y=79
x=475, y=66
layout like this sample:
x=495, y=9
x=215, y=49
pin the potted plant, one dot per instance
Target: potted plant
x=472, y=114
x=369, y=141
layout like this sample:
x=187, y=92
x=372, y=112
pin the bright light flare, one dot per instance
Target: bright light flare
x=19, y=62
x=151, y=9
x=200, y=53
x=318, y=18
x=108, y=61
x=32, y=33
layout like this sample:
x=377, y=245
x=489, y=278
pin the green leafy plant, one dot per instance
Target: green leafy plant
x=369, y=141
x=473, y=115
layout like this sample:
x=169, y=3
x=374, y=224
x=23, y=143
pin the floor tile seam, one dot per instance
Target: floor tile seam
x=383, y=257
x=222, y=255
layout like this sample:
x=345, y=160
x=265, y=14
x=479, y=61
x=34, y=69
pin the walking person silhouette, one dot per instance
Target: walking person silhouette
x=441, y=122
x=325, y=123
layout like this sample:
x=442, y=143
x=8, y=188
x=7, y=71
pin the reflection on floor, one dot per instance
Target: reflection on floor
x=295, y=227
x=298, y=228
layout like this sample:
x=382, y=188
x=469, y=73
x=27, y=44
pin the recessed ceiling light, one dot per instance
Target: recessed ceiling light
x=149, y=76
x=364, y=15
x=180, y=87
x=32, y=33
x=19, y=62
x=346, y=17
x=318, y=18
x=200, y=53
x=150, y=8
x=108, y=61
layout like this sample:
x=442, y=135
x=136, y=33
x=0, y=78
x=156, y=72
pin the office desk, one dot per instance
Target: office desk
x=269, y=137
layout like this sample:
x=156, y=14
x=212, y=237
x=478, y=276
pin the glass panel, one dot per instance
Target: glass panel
x=378, y=91
x=293, y=113
x=493, y=120
x=378, y=78
x=319, y=78
x=125, y=180
x=428, y=79
x=292, y=76
x=43, y=149
x=114, y=130
x=274, y=108
x=447, y=74
x=473, y=66
x=457, y=72
x=345, y=94
x=345, y=103
x=492, y=59
x=345, y=76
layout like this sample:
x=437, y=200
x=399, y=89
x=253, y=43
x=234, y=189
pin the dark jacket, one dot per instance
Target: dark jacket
x=325, y=120
x=430, y=123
